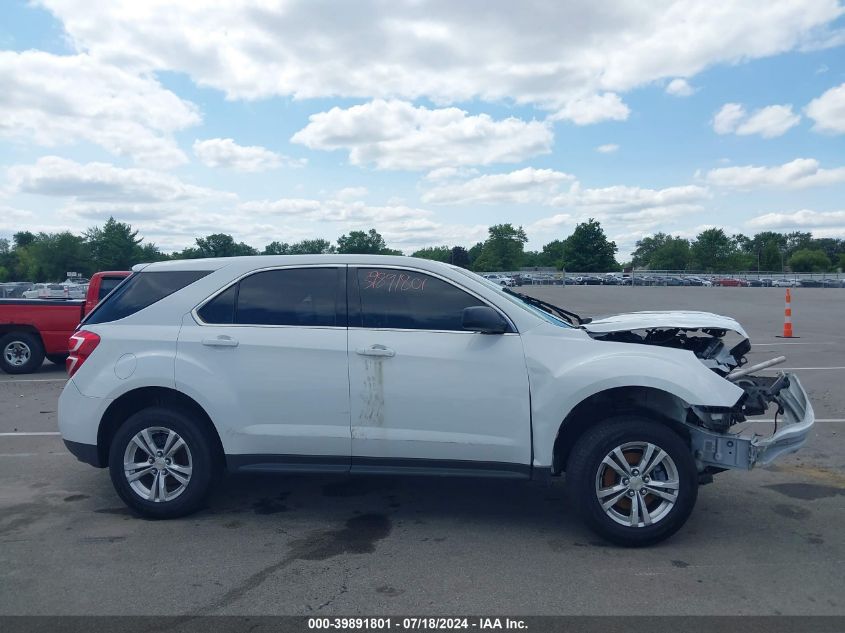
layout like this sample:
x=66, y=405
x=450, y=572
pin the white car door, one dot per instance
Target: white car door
x=270, y=353
x=424, y=392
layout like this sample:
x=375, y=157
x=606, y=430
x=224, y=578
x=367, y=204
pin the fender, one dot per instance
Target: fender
x=565, y=368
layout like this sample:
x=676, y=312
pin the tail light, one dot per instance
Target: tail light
x=81, y=344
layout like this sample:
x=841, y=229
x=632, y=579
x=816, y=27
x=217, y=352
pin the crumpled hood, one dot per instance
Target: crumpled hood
x=685, y=320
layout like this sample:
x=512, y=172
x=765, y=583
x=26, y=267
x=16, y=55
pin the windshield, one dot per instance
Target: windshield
x=554, y=320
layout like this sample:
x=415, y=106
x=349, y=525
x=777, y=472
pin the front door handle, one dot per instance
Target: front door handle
x=220, y=341
x=376, y=350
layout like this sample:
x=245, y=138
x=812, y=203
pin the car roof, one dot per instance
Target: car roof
x=251, y=262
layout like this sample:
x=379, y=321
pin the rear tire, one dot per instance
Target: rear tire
x=20, y=353
x=633, y=480
x=162, y=463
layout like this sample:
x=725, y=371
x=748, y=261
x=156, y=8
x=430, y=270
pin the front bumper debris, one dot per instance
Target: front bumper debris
x=746, y=449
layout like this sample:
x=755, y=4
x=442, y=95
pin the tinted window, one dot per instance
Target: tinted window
x=142, y=290
x=299, y=296
x=107, y=284
x=409, y=300
x=221, y=309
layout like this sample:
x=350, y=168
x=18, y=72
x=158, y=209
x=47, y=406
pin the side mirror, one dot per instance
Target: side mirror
x=483, y=319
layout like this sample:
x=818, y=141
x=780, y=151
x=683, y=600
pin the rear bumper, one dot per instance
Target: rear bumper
x=746, y=449
x=86, y=453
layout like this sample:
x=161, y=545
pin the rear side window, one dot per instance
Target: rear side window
x=306, y=297
x=408, y=300
x=140, y=291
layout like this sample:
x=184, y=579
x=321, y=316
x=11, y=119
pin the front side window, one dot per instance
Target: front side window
x=299, y=296
x=409, y=300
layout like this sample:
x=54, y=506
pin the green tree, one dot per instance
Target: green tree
x=305, y=247
x=369, y=242
x=766, y=250
x=646, y=247
x=23, y=238
x=503, y=249
x=437, y=253
x=714, y=251
x=459, y=256
x=50, y=256
x=674, y=254
x=276, y=248
x=553, y=254
x=114, y=247
x=218, y=245
x=474, y=253
x=149, y=252
x=588, y=250
x=809, y=261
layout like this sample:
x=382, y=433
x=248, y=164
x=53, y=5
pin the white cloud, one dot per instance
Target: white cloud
x=797, y=174
x=803, y=219
x=103, y=183
x=521, y=186
x=679, y=88
x=626, y=199
x=224, y=152
x=56, y=100
x=727, y=118
x=593, y=109
x=609, y=148
x=548, y=55
x=402, y=226
x=398, y=135
x=12, y=219
x=768, y=122
x=828, y=111
x=541, y=186
x=351, y=193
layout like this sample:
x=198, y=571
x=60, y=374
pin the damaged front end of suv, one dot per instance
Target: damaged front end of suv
x=718, y=436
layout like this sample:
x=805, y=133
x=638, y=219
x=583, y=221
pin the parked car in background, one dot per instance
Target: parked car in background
x=731, y=282
x=330, y=363
x=588, y=280
x=784, y=283
x=834, y=283
x=32, y=329
x=812, y=283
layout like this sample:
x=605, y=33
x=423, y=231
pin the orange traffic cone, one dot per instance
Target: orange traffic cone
x=787, y=317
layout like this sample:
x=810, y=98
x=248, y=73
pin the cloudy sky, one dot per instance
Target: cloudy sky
x=426, y=120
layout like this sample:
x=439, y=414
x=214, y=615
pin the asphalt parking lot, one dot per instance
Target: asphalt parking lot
x=766, y=542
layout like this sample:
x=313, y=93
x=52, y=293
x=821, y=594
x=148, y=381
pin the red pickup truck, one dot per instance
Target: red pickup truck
x=31, y=329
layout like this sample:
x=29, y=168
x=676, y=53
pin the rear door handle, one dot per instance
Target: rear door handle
x=220, y=341
x=376, y=350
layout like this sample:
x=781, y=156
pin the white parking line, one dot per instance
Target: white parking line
x=779, y=344
x=798, y=368
x=826, y=420
x=34, y=380
x=29, y=433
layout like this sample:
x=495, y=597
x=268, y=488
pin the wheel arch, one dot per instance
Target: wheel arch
x=11, y=328
x=142, y=398
x=651, y=401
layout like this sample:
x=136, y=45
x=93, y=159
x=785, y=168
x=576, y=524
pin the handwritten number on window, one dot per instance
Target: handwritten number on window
x=393, y=282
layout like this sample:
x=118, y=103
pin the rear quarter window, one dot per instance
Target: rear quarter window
x=142, y=290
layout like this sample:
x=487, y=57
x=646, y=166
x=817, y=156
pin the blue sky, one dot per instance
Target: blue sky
x=426, y=120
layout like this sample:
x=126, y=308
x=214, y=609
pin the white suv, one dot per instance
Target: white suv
x=371, y=364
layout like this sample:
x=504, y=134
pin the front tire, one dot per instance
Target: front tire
x=20, y=353
x=633, y=480
x=161, y=463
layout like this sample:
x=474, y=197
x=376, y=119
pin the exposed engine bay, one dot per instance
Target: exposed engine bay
x=709, y=347
x=716, y=445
